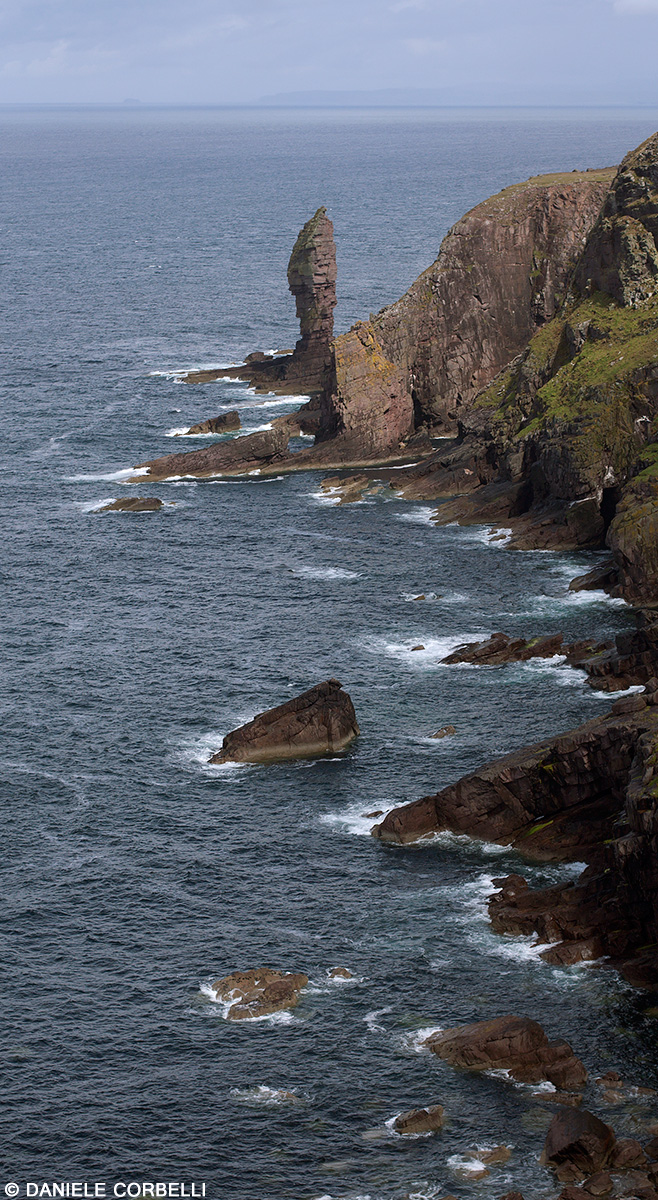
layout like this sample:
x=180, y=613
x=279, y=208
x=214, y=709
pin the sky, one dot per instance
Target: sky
x=548, y=52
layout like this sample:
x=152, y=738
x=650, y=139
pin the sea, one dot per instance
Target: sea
x=138, y=243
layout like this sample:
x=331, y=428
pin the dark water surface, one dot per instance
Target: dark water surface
x=136, y=874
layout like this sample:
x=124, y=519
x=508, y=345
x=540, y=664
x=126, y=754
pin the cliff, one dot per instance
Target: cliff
x=501, y=274
x=563, y=443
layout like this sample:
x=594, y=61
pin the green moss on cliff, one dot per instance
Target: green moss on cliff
x=587, y=370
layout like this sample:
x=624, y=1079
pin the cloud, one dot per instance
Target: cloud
x=636, y=6
x=405, y=5
x=425, y=47
x=54, y=59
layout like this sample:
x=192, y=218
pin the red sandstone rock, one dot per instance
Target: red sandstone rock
x=224, y=423
x=577, y=1144
x=514, y=1044
x=551, y=801
x=259, y=993
x=255, y=453
x=499, y=274
x=320, y=721
x=627, y=1153
x=420, y=1120
x=133, y=504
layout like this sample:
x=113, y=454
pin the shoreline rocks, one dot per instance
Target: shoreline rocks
x=514, y=1044
x=320, y=721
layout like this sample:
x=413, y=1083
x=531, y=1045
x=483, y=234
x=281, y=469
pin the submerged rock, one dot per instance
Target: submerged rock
x=340, y=973
x=133, y=504
x=445, y=731
x=225, y=423
x=515, y=1044
x=420, y=1120
x=320, y=721
x=259, y=993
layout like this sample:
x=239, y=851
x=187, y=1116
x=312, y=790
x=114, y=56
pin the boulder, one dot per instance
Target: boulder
x=420, y=1120
x=577, y=1144
x=627, y=1154
x=445, y=731
x=340, y=973
x=515, y=1044
x=494, y=1157
x=320, y=721
x=133, y=504
x=258, y=993
x=225, y=423
x=599, y=1184
x=602, y=577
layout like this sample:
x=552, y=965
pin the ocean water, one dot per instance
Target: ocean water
x=136, y=245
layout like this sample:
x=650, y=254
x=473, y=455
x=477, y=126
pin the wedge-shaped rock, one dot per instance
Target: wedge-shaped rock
x=133, y=504
x=420, y=1120
x=320, y=721
x=259, y=993
x=224, y=423
x=514, y=1044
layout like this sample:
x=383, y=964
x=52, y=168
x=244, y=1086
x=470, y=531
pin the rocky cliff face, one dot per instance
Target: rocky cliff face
x=563, y=443
x=501, y=273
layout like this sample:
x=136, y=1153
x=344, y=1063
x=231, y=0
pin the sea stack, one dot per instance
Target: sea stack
x=312, y=281
x=320, y=721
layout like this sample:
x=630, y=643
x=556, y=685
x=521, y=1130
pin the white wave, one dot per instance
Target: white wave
x=466, y=1166
x=593, y=597
x=195, y=754
x=262, y=1094
x=330, y=496
x=415, y=1043
x=283, y=400
x=479, y=535
x=90, y=506
x=328, y=984
x=256, y=429
x=325, y=573
x=353, y=819
x=631, y=691
x=123, y=476
x=180, y=372
x=183, y=431
x=428, y=1191
x=417, y=516
x=464, y=841
x=371, y=1019
x=433, y=650
x=419, y=597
